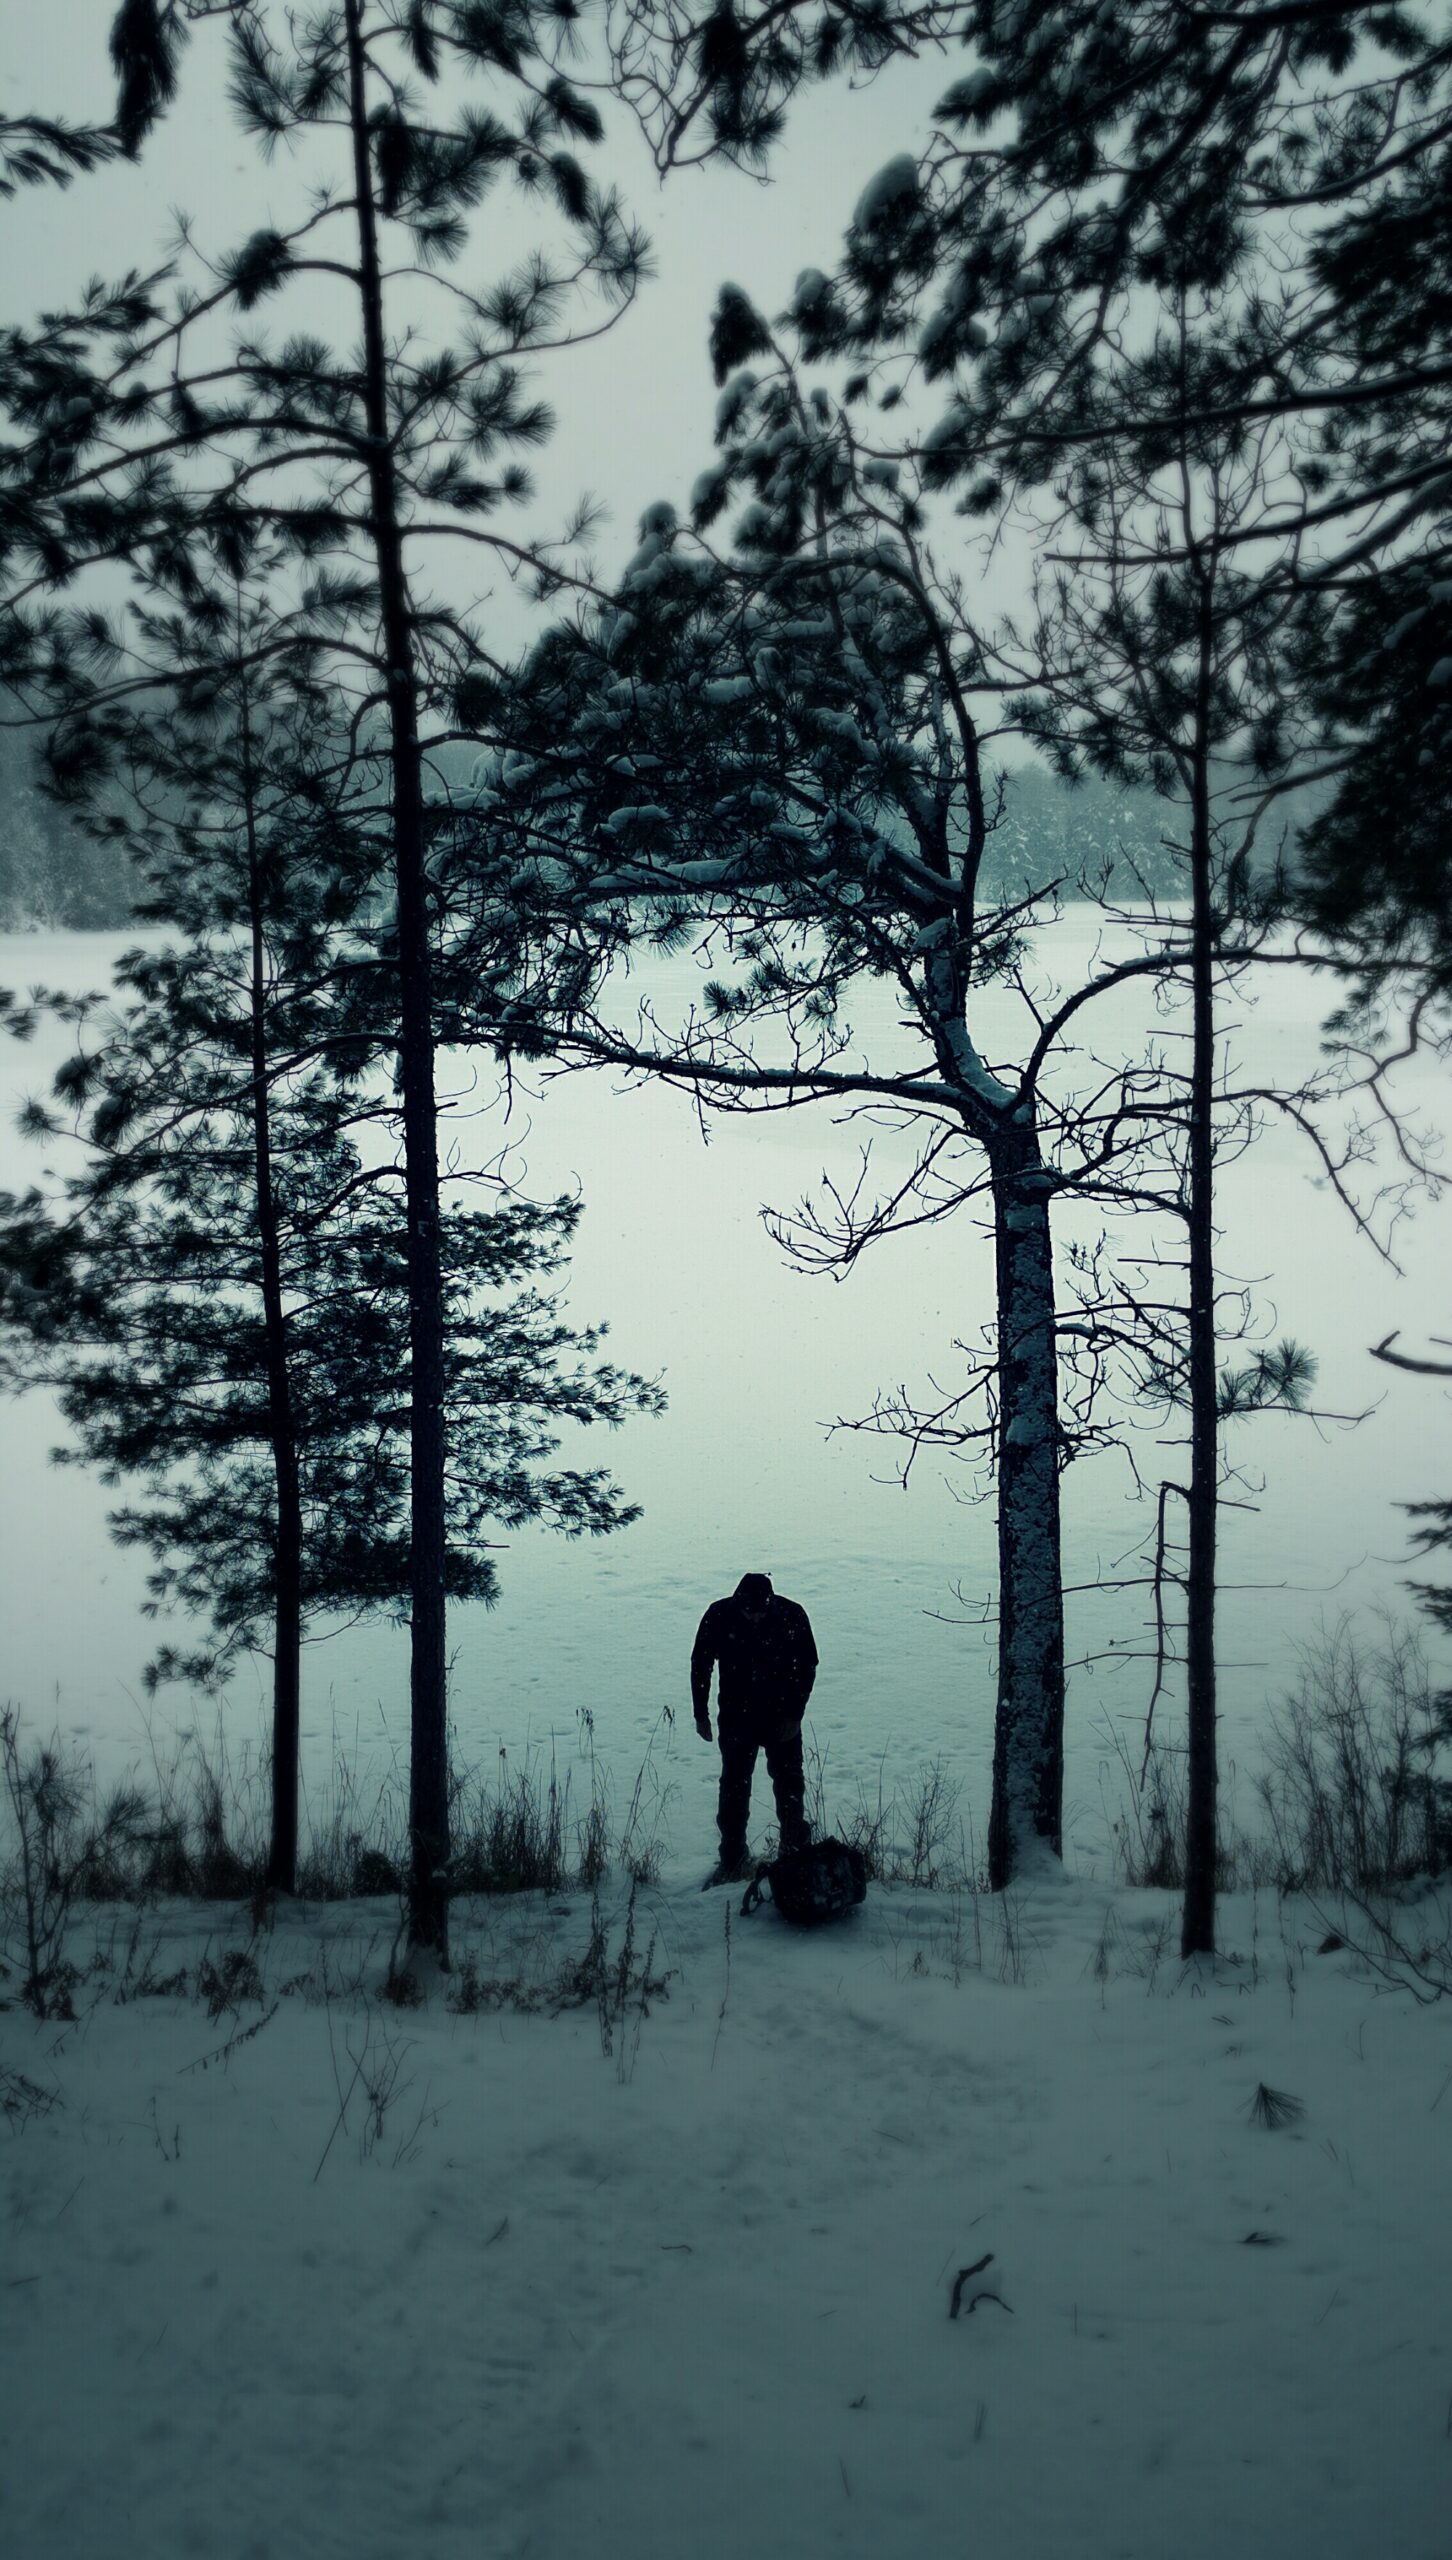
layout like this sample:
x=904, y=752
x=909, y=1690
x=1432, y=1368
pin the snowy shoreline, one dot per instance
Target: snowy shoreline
x=316, y=2273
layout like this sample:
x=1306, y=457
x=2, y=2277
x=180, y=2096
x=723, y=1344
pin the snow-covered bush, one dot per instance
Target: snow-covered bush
x=1149, y=1834
x=60, y=1841
x=1357, y=1791
x=197, y=1833
x=913, y=1837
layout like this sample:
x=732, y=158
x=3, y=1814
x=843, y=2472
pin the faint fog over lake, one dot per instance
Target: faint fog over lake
x=742, y=1474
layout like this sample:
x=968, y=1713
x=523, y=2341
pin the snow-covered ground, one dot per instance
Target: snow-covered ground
x=371, y=2282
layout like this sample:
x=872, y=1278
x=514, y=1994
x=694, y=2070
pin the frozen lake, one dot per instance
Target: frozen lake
x=742, y=1473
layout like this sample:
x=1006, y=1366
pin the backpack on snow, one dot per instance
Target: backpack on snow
x=820, y=1882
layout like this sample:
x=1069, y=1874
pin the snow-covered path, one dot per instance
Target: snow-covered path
x=692, y=2296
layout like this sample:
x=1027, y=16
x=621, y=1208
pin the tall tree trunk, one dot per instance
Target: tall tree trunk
x=1197, y=1929
x=1025, y=1820
x=281, y=1425
x=1028, y=1748
x=429, y=1762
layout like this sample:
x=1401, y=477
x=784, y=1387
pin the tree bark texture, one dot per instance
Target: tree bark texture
x=1197, y=1931
x=1028, y=1748
x=429, y=1765
x=1026, y=1811
x=281, y=1423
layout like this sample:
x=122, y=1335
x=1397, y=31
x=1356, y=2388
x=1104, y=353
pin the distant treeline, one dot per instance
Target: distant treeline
x=1095, y=837
x=52, y=873
x=1103, y=838
x=1099, y=835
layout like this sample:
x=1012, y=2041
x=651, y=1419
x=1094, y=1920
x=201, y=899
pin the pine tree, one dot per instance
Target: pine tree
x=141, y=416
x=39, y=151
x=220, y=1295
x=784, y=742
x=1285, y=163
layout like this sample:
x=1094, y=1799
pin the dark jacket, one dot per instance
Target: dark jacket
x=766, y=1670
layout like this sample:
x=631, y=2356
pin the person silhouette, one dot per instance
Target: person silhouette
x=763, y=1651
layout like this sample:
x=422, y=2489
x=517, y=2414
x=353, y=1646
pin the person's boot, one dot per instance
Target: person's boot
x=732, y=1867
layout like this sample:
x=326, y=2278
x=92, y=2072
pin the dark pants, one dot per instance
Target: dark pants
x=740, y=1742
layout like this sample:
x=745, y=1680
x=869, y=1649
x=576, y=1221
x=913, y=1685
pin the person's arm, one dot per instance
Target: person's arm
x=703, y=1657
x=805, y=1650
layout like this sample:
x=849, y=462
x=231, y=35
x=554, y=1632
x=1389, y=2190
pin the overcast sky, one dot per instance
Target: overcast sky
x=635, y=409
